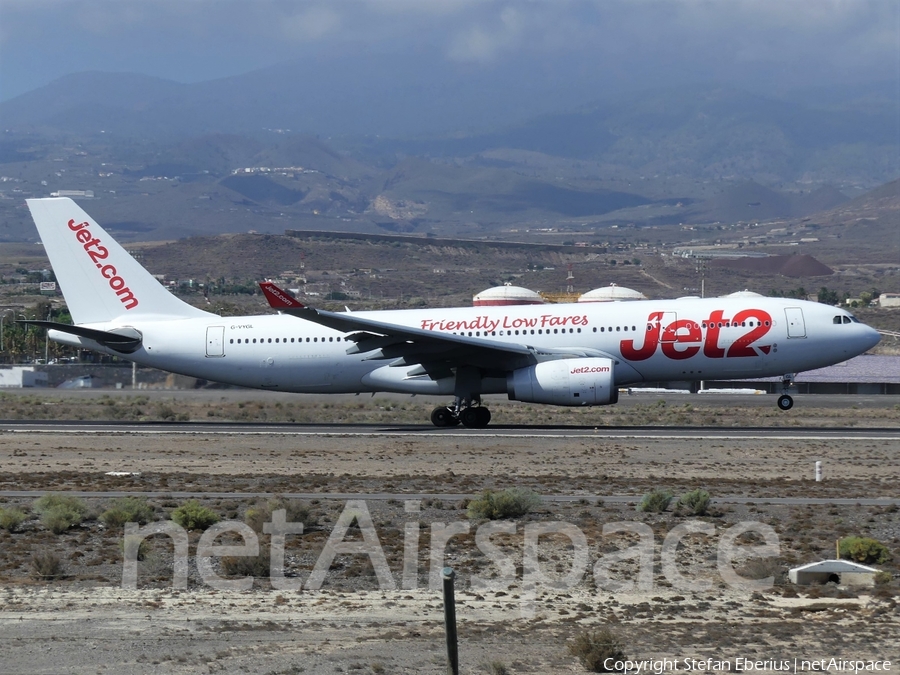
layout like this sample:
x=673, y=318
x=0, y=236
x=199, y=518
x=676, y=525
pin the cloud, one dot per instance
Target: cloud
x=481, y=42
x=312, y=23
x=791, y=41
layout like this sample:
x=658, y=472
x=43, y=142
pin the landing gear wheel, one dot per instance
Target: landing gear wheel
x=443, y=417
x=484, y=417
x=475, y=417
x=785, y=402
x=469, y=417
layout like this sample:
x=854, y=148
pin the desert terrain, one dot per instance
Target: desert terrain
x=83, y=620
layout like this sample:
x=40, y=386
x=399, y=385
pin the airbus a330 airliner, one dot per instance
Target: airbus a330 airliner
x=564, y=354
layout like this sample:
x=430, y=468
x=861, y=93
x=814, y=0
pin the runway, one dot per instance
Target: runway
x=427, y=431
x=451, y=497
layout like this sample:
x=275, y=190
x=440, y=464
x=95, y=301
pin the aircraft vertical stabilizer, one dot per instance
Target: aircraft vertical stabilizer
x=100, y=280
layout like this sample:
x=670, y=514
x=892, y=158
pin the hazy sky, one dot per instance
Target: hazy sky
x=757, y=44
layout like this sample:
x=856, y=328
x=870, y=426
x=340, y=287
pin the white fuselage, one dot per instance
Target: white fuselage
x=666, y=340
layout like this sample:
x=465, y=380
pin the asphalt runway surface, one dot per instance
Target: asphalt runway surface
x=413, y=430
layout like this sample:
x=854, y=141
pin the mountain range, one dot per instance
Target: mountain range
x=276, y=149
x=701, y=132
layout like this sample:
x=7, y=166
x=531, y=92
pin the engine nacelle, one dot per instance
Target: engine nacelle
x=574, y=382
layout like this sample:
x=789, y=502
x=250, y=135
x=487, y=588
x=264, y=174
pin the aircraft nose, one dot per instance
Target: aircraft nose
x=870, y=337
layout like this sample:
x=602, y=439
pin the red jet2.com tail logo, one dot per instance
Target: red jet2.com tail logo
x=98, y=254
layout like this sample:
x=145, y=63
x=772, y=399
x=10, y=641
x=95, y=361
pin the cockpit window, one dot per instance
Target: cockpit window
x=836, y=319
x=846, y=319
x=853, y=319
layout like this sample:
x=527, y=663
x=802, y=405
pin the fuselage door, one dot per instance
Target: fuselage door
x=796, y=328
x=215, y=341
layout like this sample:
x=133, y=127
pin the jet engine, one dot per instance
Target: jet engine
x=575, y=382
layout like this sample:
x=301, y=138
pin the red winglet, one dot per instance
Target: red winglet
x=278, y=298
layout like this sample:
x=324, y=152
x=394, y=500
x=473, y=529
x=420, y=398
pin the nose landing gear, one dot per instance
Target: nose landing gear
x=785, y=401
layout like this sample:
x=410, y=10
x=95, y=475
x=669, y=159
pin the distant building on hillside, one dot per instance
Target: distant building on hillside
x=86, y=194
x=889, y=300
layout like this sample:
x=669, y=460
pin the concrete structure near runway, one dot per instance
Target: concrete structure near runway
x=866, y=374
x=22, y=376
x=843, y=572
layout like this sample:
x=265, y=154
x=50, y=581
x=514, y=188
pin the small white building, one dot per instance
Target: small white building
x=843, y=572
x=22, y=376
x=889, y=300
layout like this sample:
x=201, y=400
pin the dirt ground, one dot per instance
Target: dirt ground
x=85, y=621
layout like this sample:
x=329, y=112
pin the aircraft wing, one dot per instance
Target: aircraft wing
x=435, y=352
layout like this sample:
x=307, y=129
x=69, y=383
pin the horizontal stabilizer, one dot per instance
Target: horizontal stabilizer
x=124, y=340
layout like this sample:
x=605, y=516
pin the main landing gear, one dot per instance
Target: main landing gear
x=785, y=401
x=468, y=412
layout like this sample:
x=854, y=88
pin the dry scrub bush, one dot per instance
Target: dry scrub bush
x=508, y=503
x=193, y=516
x=11, y=518
x=594, y=649
x=48, y=502
x=695, y=502
x=127, y=510
x=763, y=568
x=165, y=413
x=295, y=512
x=496, y=668
x=46, y=565
x=655, y=501
x=864, y=550
x=257, y=566
x=58, y=512
x=134, y=547
x=883, y=578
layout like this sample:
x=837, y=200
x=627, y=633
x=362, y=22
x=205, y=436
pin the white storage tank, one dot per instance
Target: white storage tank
x=611, y=293
x=743, y=294
x=506, y=295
